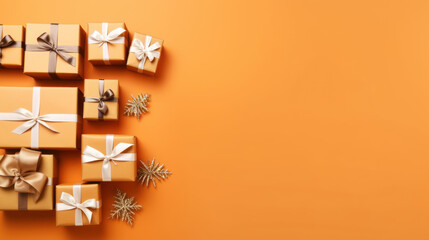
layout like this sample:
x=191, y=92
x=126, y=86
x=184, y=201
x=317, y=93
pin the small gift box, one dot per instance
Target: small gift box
x=40, y=117
x=11, y=46
x=108, y=157
x=144, y=55
x=54, y=51
x=27, y=180
x=101, y=99
x=107, y=43
x=78, y=205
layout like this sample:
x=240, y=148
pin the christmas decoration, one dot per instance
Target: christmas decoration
x=151, y=172
x=124, y=208
x=137, y=105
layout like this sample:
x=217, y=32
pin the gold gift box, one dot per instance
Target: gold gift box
x=117, y=51
x=9, y=199
x=13, y=55
x=87, y=191
x=149, y=67
x=53, y=100
x=36, y=63
x=90, y=109
x=122, y=171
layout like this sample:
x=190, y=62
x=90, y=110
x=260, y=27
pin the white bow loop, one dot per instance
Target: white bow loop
x=71, y=203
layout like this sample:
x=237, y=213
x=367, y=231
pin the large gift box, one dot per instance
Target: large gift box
x=107, y=43
x=40, y=117
x=101, y=99
x=11, y=46
x=78, y=204
x=144, y=54
x=27, y=180
x=54, y=51
x=108, y=157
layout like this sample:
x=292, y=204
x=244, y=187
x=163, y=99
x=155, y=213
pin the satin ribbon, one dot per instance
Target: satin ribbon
x=20, y=171
x=69, y=202
x=33, y=119
x=7, y=41
x=104, y=38
x=105, y=96
x=91, y=154
x=49, y=42
x=145, y=51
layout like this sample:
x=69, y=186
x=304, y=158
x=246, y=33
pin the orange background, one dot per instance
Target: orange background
x=279, y=119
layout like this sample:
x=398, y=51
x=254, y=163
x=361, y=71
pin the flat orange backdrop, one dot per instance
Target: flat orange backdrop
x=280, y=119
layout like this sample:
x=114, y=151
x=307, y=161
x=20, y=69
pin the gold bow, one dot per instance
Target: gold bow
x=20, y=170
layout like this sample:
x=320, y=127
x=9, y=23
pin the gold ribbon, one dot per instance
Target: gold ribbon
x=105, y=96
x=20, y=171
x=49, y=42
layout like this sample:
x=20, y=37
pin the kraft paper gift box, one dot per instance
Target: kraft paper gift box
x=101, y=99
x=58, y=112
x=108, y=157
x=144, y=55
x=78, y=205
x=11, y=46
x=54, y=51
x=107, y=43
x=34, y=189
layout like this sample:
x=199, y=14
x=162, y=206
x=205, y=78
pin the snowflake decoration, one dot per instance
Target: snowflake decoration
x=150, y=172
x=137, y=105
x=124, y=208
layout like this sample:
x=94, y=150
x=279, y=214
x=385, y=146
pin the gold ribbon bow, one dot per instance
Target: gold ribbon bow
x=7, y=41
x=20, y=171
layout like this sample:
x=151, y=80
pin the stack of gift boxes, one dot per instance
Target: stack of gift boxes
x=33, y=119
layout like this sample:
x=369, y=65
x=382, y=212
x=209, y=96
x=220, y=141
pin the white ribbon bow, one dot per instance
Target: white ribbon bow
x=102, y=39
x=91, y=154
x=145, y=51
x=70, y=202
x=33, y=119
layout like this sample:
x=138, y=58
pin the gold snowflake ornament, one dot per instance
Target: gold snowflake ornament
x=124, y=208
x=137, y=105
x=151, y=172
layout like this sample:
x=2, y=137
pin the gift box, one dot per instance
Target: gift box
x=108, y=157
x=144, y=55
x=78, y=204
x=101, y=99
x=11, y=46
x=27, y=180
x=40, y=117
x=107, y=43
x=54, y=51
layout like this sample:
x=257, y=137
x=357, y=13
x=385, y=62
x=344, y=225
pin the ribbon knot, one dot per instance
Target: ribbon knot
x=145, y=51
x=45, y=42
x=91, y=154
x=6, y=41
x=69, y=203
x=20, y=171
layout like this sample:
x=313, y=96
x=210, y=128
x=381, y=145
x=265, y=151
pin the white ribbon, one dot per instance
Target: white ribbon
x=33, y=119
x=70, y=202
x=145, y=51
x=104, y=38
x=91, y=154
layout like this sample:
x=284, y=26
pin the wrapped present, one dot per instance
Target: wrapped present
x=107, y=43
x=78, y=204
x=108, y=157
x=27, y=180
x=144, y=55
x=40, y=117
x=11, y=46
x=54, y=51
x=101, y=99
